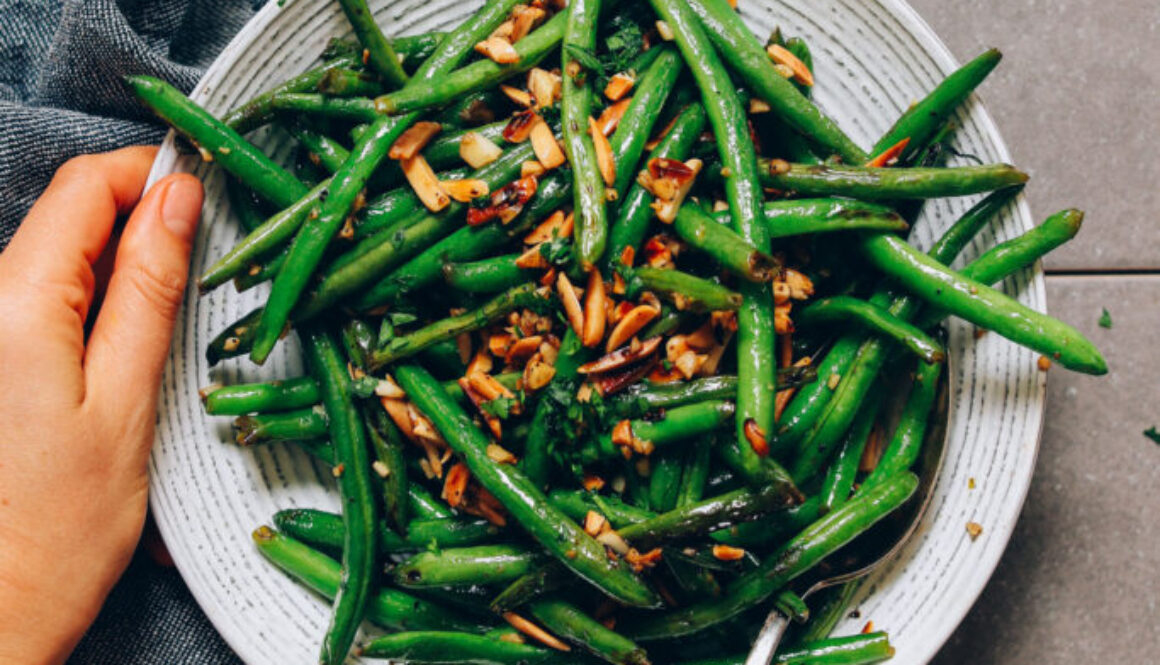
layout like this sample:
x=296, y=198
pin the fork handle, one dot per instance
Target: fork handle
x=767, y=640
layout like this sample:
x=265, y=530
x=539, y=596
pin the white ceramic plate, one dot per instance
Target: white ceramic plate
x=873, y=58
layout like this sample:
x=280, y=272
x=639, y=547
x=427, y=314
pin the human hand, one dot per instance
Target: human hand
x=77, y=415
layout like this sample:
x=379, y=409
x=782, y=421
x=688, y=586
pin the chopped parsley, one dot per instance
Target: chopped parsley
x=364, y=386
x=500, y=407
x=1106, y=319
x=1151, y=433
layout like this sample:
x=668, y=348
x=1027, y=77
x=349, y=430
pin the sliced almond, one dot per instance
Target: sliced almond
x=666, y=208
x=657, y=253
x=665, y=31
x=610, y=117
x=595, y=523
x=400, y=415
x=622, y=357
x=759, y=106
x=498, y=50
x=520, y=126
x=477, y=150
x=604, y=159
x=537, y=373
x=519, y=97
x=544, y=86
x=412, y=141
x=535, y=632
x=640, y=562
x=500, y=455
x=546, y=147
x=488, y=386
x=479, y=400
x=714, y=355
x=523, y=349
x=727, y=553
x=499, y=343
x=531, y=168
x=613, y=541
x=557, y=225
x=506, y=203
x=526, y=19
x=455, y=485
x=425, y=183
x=481, y=362
x=781, y=291
x=629, y=325
x=782, y=323
x=571, y=303
x=465, y=190
x=592, y=482
x=619, y=85
x=689, y=363
x=504, y=30
x=800, y=286
x=533, y=259
x=595, y=316
x=387, y=388
x=756, y=437
x=783, y=56
x=423, y=428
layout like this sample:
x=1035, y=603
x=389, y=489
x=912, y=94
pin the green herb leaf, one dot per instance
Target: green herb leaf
x=585, y=57
x=1151, y=433
x=402, y=318
x=1106, y=319
x=500, y=407
x=364, y=387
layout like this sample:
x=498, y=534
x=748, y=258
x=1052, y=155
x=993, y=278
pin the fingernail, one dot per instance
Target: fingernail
x=181, y=208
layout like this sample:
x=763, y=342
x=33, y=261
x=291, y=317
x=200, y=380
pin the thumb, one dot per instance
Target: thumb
x=130, y=340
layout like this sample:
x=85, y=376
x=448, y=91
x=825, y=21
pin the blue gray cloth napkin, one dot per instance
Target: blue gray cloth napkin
x=61, y=95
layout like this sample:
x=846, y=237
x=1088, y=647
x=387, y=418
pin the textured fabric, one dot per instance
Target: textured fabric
x=61, y=69
x=61, y=95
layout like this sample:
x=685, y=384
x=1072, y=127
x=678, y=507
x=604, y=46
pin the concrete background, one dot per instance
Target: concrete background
x=1078, y=101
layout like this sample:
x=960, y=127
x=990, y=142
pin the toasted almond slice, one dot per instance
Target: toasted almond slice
x=504, y=30
x=622, y=357
x=595, y=523
x=714, y=355
x=544, y=86
x=526, y=19
x=500, y=455
x=488, y=386
x=557, y=225
x=781, y=291
x=890, y=155
x=592, y=482
x=604, y=159
x=619, y=85
x=531, y=168
x=479, y=400
x=727, y=553
x=425, y=183
x=571, y=303
x=629, y=325
x=481, y=362
x=498, y=50
x=400, y=415
x=665, y=31
x=666, y=209
x=487, y=506
x=610, y=117
x=465, y=189
x=523, y=349
x=499, y=343
x=455, y=485
x=423, y=428
x=783, y=56
x=622, y=433
x=533, y=259
x=546, y=147
x=595, y=316
x=758, y=106
x=782, y=322
x=412, y=141
x=756, y=437
x=639, y=562
x=519, y=97
x=477, y=150
x=613, y=541
x=689, y=363
x=535, y=632
x=662, y=376
x=657, y=253
x=537, y=373
x=506, y=203
x=520, y=126
x=387, y=388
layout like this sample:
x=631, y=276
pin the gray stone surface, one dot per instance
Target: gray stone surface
x=1078, y=101
x=1079, y=582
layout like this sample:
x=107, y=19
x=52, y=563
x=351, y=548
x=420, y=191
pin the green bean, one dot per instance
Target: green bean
x=745, y=55
x=852, y=650
x=982, y=305
x=479, y=75
x=801, y=50
x=551, y=409
x=800, y=554
x=888, y=184
x=482, y=564
x=539, y=582
x=323, y=150
x=348, y=109
x=576, y=504
x=664, y=479
x=997, y=263
x=843, y=470
x=322, y=529
x=527, y=505
x=424, y=505
x=698, y=459
x=847, y=309
x=809, y=216
x=446, y=648
x=243, y=205
x=590, y=234
x=246, y=398
x=733, y=251
x=359, y=514
x=339, y=82
x=378, y=51
x=407, y=345
x=492, y=275
x=642, y=398
x=955, y=239
x=772, y=529
x=906, y=444
x=267, y=237
x=388, y=608
x=390, y=466
x=458, y=43
x=686, y=292
x=715, y=513
x=835, y=602
x=262, y=428
x=392, y=210
x=677, y=424
x=648, y=97
x=217, y=141
x=635, y=212
x=728, y=118
x=923, y=120
x=568, y=622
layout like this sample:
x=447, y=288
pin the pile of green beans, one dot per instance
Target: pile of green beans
x=622, y=403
